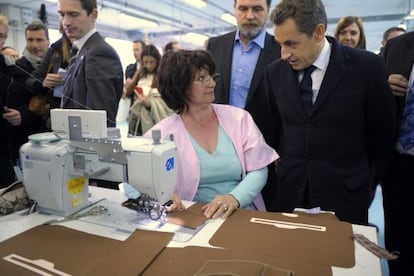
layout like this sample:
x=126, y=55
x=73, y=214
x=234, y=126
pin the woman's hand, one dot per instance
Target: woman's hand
x=221, y=205
x=176, y=205
x=144, y=100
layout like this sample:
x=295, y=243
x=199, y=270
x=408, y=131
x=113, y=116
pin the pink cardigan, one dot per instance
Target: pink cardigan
x=248, y=141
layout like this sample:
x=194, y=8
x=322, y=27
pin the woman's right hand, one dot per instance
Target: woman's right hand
x=177, y=204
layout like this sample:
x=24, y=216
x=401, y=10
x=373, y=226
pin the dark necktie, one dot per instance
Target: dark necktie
x=406, y=137
x=72, y=54
x=67, y=84
x=305, y=88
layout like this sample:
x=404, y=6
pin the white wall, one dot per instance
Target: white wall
x=124, y=50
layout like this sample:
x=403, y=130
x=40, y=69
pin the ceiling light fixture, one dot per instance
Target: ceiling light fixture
x=196, y=3
x=410, y=16
x=132, y=22
x=127, y=21
x=402, y=25
x=227, y=17
x=194, y=38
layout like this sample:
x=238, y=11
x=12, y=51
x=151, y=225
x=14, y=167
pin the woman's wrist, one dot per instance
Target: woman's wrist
x=237, y=203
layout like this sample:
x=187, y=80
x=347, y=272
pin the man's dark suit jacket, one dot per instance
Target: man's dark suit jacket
x=221, y=48
x=130, y=70
x=397, y=188
x=335, y=149
x=95, y=80
x=399, y=59
x=14, y=94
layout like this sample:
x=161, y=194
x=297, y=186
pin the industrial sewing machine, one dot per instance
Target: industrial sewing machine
x=57, y=166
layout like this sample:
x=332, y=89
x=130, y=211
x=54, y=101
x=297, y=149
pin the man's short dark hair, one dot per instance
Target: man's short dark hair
x=390, y=30
x=37, y=25
x=170, y=46
x=88, y=5
x=268, y=2
x=306, y=14
x=139, y=41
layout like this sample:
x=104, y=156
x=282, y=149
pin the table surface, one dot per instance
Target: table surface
x=366, y=263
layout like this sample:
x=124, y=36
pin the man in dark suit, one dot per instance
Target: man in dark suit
x=241, y=58
x=397, y=184
x=95, y=76
x=332, y=150
x=17, y=121
x=7, y=67
x=137, y=47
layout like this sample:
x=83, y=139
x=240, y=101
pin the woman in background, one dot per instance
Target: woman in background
x=148, y=108
x=350, y=32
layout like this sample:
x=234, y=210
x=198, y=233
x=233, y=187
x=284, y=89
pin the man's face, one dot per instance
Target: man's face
x=75, y=21
x=251, y=16
x=3, y=36
x=37, y=42
x=392, y=35
x=297, y=48
x=176, y=47
x=137, y=49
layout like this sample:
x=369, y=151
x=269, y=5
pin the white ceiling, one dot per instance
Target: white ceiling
x=175, y=17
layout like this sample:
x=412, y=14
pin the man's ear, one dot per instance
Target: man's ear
x=94, y=14
x=320, y=31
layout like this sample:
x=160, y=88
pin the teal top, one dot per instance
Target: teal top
x=221, y=173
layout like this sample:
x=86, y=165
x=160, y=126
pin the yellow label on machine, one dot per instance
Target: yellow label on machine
x=76, y=185
x=75, y=188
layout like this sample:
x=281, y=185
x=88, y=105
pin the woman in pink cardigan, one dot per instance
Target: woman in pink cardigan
x=222, y=156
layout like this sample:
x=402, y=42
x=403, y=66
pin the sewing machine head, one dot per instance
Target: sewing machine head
x=56, y=171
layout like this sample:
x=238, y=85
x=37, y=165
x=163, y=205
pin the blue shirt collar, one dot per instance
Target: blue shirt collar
x=258, y=40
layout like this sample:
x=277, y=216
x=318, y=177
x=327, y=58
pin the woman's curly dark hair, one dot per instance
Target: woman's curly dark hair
x=176, y=74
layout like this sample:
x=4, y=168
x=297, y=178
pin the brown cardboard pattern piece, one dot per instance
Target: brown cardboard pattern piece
x=78, y=253
x=191, y=260
x=240, y=268
x=192, y=217
x=333, y=247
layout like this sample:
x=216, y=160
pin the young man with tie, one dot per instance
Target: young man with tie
x=95, y=76
x=95, y=79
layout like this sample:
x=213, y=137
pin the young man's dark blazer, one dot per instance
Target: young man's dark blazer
x=96, y=79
